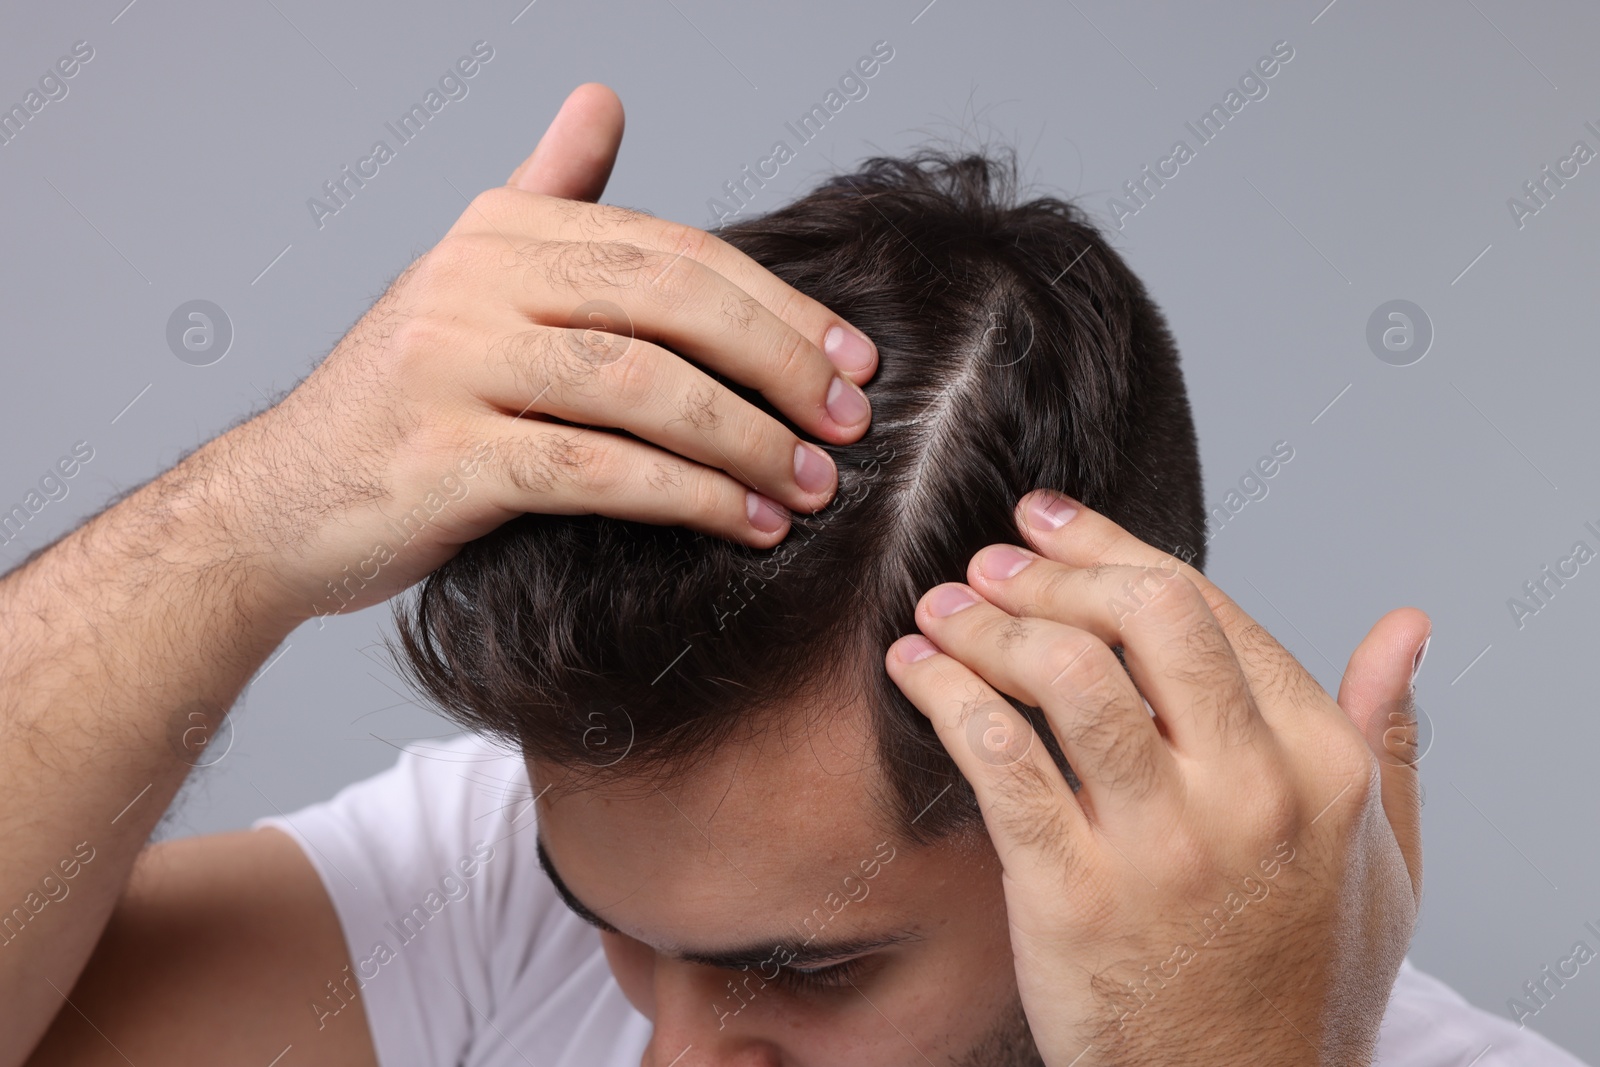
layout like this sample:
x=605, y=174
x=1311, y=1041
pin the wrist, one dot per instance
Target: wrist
x=211, y=537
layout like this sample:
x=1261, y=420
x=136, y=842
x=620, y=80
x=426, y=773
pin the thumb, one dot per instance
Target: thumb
x=1377, y=696
x=573, y=159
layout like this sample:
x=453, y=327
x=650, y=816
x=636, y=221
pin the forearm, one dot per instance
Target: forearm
x=465, y=398
x=121, y=647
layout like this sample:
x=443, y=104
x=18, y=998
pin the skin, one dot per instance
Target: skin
x=1092, y=888
x=130, y=635
x=770, y=845
x=123, y=644
x=1244, y=785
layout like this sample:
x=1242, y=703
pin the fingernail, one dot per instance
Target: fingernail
x=813, y=469
x=1003, y=562
x=1050, y=510
x=848, y=350
x=846, y=403
x=914, y=648
x=764, y=515
x=1422, y=654
x=949, y=599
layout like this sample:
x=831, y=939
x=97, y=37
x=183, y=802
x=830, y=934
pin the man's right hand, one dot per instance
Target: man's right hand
x=540, y=306
x=502, y=361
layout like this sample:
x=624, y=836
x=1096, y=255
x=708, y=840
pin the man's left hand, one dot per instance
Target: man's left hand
x=1238, y=875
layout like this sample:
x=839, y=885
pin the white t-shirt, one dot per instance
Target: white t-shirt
x=464, y=954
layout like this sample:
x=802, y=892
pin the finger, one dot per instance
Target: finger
x=688, y=307
x=845, y=348
x=566, y=470
x=1173, y=646
x=574, y=158
x=1377, y=695
x=1068, y=532
x=671, y=300
x=1031, y=814
x=603, y=379
x=1106, y=735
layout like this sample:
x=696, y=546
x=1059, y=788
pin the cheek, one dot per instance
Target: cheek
x=633, y=963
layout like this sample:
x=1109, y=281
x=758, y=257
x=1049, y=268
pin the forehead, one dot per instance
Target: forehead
x=744, y=842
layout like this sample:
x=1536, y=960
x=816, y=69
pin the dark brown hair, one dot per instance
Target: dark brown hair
x=1017, y=351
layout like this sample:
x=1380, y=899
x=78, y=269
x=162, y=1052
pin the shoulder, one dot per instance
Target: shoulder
x=444, y=801
x=1428, y=1024
x=432, y=869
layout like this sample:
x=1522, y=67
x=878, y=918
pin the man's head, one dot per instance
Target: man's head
x=729, y=765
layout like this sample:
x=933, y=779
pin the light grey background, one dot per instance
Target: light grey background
x=1378, y=167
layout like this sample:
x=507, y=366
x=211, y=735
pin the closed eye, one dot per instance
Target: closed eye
x=813, y=979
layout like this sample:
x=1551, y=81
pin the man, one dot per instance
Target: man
x=811, y=924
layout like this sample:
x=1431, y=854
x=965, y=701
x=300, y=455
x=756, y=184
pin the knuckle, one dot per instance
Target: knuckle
x=791, y=352
x=549, y=460
x=790, y=306
x=599, y=220
x=1223, y=704
x=708, y=494
x=545, y=204
x=631, y=376
x=454, y=256
x=1054, y=586
x=499, y=202
x=1253, y=638
x=698, y=407
x=665, y=475
x=584, y=266
x=618, y=259
x=499, y=446
x=605, y=472
x=591, y=346
x=740, y=310
x=1171, y=583
x=1010, y=632
x=418, y=338
x=1275, y=813
x=1077, y=661
x=525, y=468
x=674, y=280
x=1279, y=676
x=527, y=356
x=1250, y=638
x=574, y=358
x=1290, y=684
x=1097, y=572
x=1173, y=599
x=753, y=437
x=687, y=241
x=1203, y=657
x=1101, y=543
x=617, y=215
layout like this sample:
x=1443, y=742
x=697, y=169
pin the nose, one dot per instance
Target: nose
x=700, y=1021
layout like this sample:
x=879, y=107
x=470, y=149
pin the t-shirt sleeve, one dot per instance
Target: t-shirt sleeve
x=1428, y=1024
x=419, y=864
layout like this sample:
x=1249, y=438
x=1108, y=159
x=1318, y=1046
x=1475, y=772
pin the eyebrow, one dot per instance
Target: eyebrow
x=577, y=906
x=807, y=953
